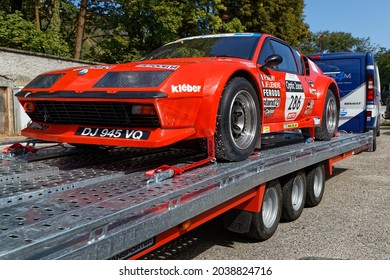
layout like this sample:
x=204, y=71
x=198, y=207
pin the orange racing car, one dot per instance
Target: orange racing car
x=230, y=88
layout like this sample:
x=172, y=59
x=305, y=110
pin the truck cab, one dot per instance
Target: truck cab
x=357, y=77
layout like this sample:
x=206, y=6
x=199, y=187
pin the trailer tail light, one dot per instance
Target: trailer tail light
x=370, y=87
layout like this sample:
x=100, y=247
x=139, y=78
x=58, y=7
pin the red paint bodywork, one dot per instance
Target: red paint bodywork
x=182, y=115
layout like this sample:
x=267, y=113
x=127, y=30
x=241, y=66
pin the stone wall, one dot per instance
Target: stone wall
x=17, y=68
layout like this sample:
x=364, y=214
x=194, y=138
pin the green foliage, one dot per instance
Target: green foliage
x=18, y=33
x=137, y=27
x=283, y=18
x=383, y=61
x=326, y=41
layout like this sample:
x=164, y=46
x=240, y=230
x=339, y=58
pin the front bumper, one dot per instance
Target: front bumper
x=107, y=136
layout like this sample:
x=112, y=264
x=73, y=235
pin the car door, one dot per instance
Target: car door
x=283, y=86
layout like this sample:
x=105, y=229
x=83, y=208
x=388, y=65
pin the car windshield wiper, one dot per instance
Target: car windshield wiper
x=225, y=55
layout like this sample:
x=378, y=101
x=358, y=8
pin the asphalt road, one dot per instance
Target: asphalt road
x=352, y=221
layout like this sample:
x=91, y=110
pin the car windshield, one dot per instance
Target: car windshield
x=225, y=45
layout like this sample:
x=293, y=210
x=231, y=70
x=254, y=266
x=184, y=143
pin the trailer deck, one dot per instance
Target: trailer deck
x=70, y=203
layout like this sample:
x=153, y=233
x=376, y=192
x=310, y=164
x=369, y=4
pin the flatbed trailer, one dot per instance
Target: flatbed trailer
x=71, y=203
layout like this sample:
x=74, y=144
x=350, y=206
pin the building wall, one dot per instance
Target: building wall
x=3, y=109
x=17, y=68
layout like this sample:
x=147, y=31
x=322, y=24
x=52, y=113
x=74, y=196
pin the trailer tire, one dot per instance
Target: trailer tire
x=294, y=196
x=265, y=223
x=315, y=179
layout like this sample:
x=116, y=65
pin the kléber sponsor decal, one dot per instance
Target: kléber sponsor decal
x=185, y=88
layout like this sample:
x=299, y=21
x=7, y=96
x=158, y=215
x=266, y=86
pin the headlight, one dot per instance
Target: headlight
x=44, y=81
x=132, y=79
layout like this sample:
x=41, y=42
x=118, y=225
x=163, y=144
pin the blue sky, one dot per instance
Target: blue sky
x=361, y=18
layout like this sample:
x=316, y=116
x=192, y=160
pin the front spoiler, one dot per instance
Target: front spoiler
x=157, y=137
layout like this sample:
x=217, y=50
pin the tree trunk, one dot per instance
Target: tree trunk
x=80, y=29
x=37, y=18
x=55, y=23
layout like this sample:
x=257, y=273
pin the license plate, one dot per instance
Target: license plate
x=113, y=133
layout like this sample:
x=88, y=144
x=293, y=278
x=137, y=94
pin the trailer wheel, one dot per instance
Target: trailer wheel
x=315, y=185
x=238, y=121
x=294, y=196
x=265, y=223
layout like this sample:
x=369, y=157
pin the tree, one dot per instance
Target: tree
x=383, y=61
x=55, y=21
x=18, y=33
x=80, y=29
x=327, y=41
x=37, y=17
x=283, y=18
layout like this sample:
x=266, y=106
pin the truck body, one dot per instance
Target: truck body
x=357, y=77
x=63, y=202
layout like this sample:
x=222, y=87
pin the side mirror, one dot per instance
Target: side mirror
x=272, y=60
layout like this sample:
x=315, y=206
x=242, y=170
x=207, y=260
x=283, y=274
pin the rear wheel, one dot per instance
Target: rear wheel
x=238, y=121
x=265, y=223
x=330, y=118
x=315, y=185
x=294, y=195
x=329, y=122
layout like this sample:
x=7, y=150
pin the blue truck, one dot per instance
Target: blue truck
x=357, y=77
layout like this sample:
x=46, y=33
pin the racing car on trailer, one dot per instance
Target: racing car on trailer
x=226, y=88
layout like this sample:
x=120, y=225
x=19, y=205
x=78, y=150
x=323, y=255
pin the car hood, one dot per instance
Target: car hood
x=141, y=75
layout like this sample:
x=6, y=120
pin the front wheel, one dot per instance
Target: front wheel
x=238, y=121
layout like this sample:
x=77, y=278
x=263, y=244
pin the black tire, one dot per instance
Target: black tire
x=265, y=223
x=315, y=187
x=330, y=118
x=374, y=136
x=378, y=128
x=294, y=196
x=238, y=121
